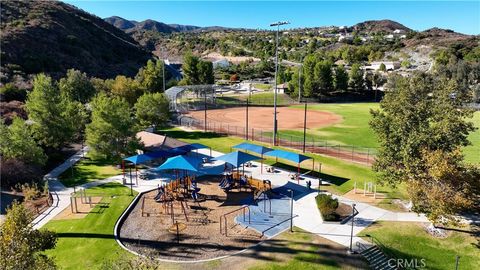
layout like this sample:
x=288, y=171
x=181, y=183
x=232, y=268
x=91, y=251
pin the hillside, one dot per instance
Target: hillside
x=380, y=26
x=49, y=36
x=120, y=22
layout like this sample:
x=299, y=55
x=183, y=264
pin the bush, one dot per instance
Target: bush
x=30, y=191
x=327, y=206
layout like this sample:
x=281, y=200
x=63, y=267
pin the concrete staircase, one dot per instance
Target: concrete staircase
x=376, y=258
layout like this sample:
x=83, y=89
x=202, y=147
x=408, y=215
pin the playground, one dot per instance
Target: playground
x=151, y=227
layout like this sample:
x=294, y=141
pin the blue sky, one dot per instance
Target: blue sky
x=460, y=16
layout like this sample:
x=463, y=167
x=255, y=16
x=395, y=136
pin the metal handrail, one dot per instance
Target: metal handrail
x=224, y=216
x=381, y=246
x=263, y=232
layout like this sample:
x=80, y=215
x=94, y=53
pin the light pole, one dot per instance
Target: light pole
x=277, y=24
x=291, y=209
x=351, y=232
x=300, y=82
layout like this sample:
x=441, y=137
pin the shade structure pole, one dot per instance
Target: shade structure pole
x=246, y=118
x=136, y=174
x=304, y=128
x=131, y=182
x=123, y=168
x=261, y=165
x=298, y=175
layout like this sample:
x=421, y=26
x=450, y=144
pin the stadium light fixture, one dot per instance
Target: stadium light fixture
x=277, y=24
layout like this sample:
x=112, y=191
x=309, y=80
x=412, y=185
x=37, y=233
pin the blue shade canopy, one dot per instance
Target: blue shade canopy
x=297, y=158
x=237, y=158
x=138, y=159
x=160, y=154
x=189, y=147
x=180, y=163
x=253, y=147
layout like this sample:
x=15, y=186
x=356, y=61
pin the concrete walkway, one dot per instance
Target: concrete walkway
x=60, y=193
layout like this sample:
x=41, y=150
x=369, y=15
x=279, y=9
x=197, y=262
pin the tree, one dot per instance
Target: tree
x=127, y=88
x=152, y=109
x=51, y=113
x=323, y=77
x=341, y=79
x=310, y=85
x=205, y=72
x=17, y=142
x=417, y=123
x=20, y=245
x=111, y=132
x=382, y=67
x=150, y=76
x=356, y=78
x=190, y=68
x=76, y=86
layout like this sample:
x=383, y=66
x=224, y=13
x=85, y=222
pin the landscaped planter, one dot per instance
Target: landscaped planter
x=332, y=211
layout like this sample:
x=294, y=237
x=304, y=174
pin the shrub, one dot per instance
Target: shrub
x=327, y=206
x=30, y=191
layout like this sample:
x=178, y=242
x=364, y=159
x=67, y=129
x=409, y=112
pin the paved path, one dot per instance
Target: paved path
x=60, y=193
x=309, y=218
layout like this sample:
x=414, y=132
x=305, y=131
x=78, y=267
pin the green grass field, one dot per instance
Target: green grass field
x=353, y=130
x=410, y=240
x=85, y=243
x=263, y=86
x=472, y=152
x=87, y=170
x=263, y=99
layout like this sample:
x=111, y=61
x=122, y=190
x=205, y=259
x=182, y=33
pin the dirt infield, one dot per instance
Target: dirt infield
x=262, y=117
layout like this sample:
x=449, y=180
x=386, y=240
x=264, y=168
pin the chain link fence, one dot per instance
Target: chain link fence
x=352, y=153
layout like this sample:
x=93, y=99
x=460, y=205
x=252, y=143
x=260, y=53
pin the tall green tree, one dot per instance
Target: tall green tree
x=341, y=79
x=190, y=69
x=150, y=76
x=417, y=123
x=77, y=86
x=21, y=245
x=17, y=142
x=310, y=85
x=53, y=121
x=357, y=83
x=205, y=72
x=111, y=132
x=323, y=77
x=127, y=88
x=152, y=109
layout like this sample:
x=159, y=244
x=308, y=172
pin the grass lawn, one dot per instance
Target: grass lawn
x=263, y=86
x=308, y=251
x=353, y=130
x=264, y=99
x=88, y=170
x=472, y=152
x=410, y=240
x=85, y=243
x=340, y=173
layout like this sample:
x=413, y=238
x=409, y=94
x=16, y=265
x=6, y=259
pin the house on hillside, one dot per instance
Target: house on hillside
x=282, y=88
x=222, y=63
x=388, y=65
